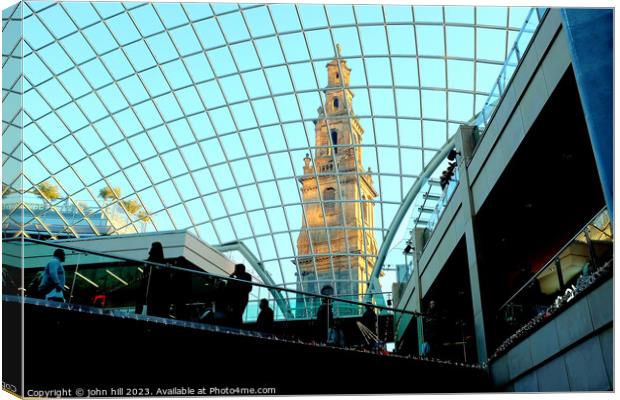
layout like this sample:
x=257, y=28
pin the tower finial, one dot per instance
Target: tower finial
x=338, y=49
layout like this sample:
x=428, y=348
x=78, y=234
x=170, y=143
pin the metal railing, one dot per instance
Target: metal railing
x=562, y=277
x=515, y=55
x=440, y=205
x=123, y=285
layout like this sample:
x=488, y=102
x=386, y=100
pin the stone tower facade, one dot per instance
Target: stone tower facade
x=336, y=225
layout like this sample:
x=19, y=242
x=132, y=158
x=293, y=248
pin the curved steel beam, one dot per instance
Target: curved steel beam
x=402, y=211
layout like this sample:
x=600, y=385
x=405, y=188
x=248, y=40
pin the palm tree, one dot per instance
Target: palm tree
x=132, y=206
x=110, y=193
x=144, y=217
x=48, y=191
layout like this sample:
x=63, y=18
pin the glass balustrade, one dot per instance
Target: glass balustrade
x=515, y=55
x=99, y=282
x=581, y=262
x=441, y=204
x=423, y=214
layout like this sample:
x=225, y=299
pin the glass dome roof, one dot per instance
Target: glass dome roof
x=145, y=117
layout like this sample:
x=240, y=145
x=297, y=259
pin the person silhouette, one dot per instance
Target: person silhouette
x=154, y=284
x=238, y=294
x=264, y=322
x=53, y=279
x=432, y=329
x=369, y=319
x=325, y=316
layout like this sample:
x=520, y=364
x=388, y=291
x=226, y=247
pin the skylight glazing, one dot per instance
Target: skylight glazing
x=142, y=117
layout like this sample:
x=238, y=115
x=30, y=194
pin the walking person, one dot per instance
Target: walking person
x=53, y=279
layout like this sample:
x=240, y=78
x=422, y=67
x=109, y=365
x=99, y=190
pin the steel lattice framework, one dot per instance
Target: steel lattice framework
x=157, y=116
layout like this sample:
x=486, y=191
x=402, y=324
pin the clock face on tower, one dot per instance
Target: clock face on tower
x=337, y=246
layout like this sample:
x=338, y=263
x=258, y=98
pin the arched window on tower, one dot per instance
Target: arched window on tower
x=334, y=136
x=336, y=103
x=329, y=198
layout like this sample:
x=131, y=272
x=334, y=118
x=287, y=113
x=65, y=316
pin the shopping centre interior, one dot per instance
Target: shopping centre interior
x=424, y=191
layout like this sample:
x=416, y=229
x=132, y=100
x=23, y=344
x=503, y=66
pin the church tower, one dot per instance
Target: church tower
x=344, y=222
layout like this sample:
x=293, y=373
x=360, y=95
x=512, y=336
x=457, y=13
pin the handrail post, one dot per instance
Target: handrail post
x=593, y=260
x=558, y=267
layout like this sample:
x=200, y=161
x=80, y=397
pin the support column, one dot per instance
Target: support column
x=418, y=242
x=590, y=34
x=464, y=144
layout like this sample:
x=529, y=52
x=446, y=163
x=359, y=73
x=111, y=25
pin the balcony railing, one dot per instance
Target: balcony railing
x=121, y=286
x=440, y=205
x=515, y=55
x=588, y=255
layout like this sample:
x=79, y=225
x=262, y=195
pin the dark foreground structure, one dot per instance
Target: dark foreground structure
x=106, y=352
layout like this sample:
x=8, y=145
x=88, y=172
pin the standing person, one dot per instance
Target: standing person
x=325, y=320
x=239, y=292
x=369, y=319
x=53, y=280
x=154, y=285
x=433, y=330
x=264, y=323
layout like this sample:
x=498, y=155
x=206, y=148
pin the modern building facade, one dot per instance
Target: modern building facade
x=522, y=252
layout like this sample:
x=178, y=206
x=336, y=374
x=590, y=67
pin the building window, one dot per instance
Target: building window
x=336, y=103
x=329, y=198
x=337, y=75
x=334, y=134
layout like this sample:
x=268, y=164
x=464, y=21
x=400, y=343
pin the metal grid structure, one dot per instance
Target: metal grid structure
x=160, y=116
